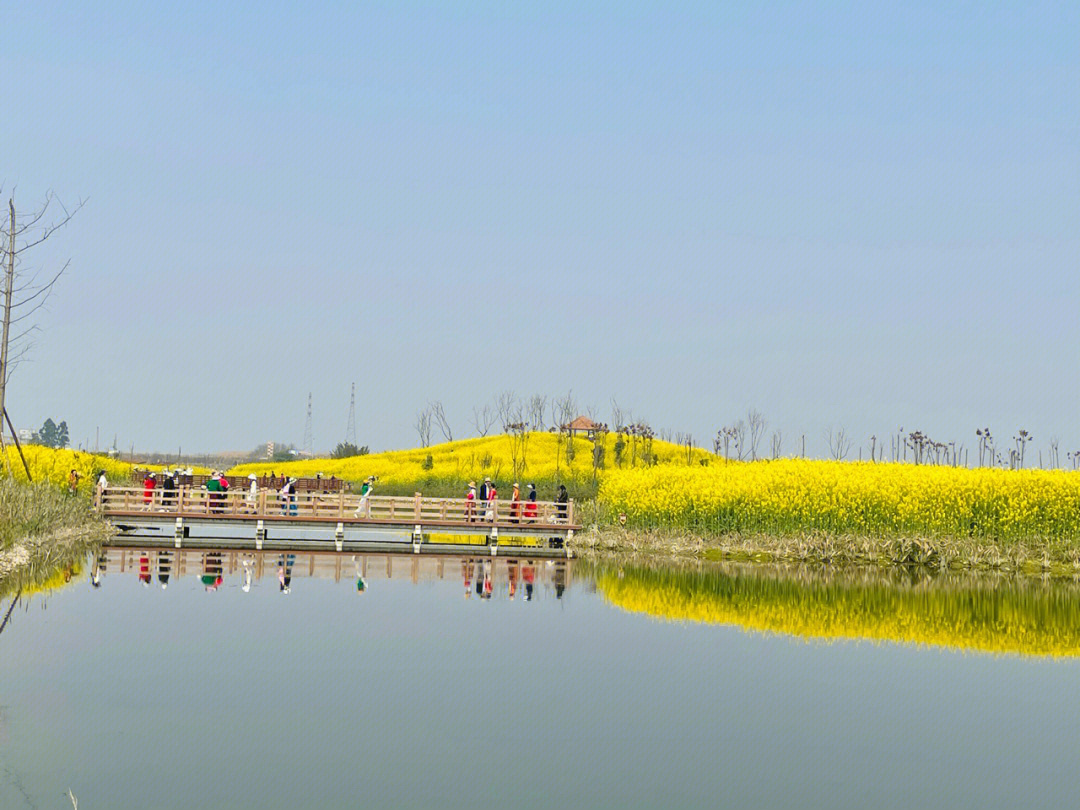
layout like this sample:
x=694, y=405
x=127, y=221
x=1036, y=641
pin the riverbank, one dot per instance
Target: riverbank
x=1059, y=558
x=43, y=529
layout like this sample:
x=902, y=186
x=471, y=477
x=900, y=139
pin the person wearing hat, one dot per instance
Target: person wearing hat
x=530, y=505
x=492, y=502
x=252, y=494
x=213, y=488
x=288, y=497
x=470, y=503
x=148, y=490
x=484, y=489
x=365, y=492
x=168, y=490
x=515, y=503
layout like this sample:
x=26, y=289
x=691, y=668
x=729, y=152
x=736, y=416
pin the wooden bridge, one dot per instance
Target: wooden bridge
x=337, y=520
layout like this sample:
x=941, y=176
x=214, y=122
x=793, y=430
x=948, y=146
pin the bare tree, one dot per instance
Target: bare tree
x=777, y=442
x=439, y=417
x=483, y=419
x=565, y=409
x=839, y=443
x=25, y=291
x=423, y=426
x=537, y=407
x=756, y=425
x=617, y=415
x=504, y=407
x=739, y=429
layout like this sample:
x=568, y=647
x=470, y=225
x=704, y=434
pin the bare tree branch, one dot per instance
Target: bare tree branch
x=439, y=415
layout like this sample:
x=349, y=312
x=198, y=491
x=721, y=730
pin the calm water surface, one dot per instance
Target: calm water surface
x=432, y=687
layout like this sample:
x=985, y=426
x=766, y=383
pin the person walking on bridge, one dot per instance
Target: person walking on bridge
x=365, y=492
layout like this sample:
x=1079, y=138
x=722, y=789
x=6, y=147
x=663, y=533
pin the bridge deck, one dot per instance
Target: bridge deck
x=337, y=520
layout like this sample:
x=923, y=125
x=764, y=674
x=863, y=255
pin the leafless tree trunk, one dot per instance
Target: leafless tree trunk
x=439, y=416
x=423, y=426
x=617, y=415
x=839, y=443
x=504, y=406
x=739, y=429
x=565, y=408
x=537, y=407
x=24, y=293
x=483, y=419
x=777, y=441
x=756, y=424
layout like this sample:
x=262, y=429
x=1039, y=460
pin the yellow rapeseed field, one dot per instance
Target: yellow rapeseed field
x=789, y=496
x=47, y=464
x=536, y=457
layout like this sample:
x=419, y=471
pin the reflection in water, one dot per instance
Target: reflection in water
x=490, y=578
x=978, y=612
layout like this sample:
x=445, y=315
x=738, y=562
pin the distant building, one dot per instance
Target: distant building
x=26, y=435
x=583, y=424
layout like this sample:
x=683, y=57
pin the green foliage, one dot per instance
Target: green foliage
x=53, y=435
x=348, y=450
x=428, y=463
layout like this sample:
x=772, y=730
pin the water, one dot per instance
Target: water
x=409, y=694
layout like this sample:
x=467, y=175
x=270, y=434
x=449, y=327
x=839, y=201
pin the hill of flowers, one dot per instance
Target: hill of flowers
x=792, y=496
x=1003, y=616
x=541, y=458
x=47, y=464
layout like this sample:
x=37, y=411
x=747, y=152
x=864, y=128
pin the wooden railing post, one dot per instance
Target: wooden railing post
x=180, y=499
x=570, y=512
x=417, y=497
x=341, y=503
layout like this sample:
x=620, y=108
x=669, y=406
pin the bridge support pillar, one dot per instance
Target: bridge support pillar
x=178, y=532
x=260, y=534
x=417, y=538
x=339, y=536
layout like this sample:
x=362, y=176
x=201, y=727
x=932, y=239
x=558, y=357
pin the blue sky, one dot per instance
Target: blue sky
x=838, y=214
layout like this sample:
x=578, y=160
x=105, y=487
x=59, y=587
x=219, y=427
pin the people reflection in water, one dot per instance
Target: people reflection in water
x=98, y=570
x=466, y=576
x=361, y=583
x=212, y=569
x=165, y=559
x=245, y=575
x=512, y=577
x=144, y=568
x=528, y=576
x=489, y=585
x=285, y=564
x=560, y=578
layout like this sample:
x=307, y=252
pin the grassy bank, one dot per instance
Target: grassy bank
x=43, y=530
x=986, y=613
x=1058, y=558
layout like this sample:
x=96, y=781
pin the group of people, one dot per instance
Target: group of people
x=525, y=511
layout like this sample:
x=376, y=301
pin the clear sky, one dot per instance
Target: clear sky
x=840, y=214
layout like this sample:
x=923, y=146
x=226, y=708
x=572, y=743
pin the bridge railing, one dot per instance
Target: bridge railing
x=198, y=501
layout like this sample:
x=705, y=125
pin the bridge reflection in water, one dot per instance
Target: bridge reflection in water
x=481, y=576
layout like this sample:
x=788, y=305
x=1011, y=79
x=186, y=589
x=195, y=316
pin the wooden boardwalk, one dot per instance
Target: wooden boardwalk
x=338, y=520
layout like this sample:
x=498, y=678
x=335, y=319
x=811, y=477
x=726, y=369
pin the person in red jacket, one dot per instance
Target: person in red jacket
x=148, y=490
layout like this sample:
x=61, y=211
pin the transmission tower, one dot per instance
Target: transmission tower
x=309, y=443
x=350, y=429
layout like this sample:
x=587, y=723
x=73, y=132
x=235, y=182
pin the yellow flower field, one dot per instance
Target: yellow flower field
x=537, y=457
x=791, y=496
x=1008, y=616
x=47, y=464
